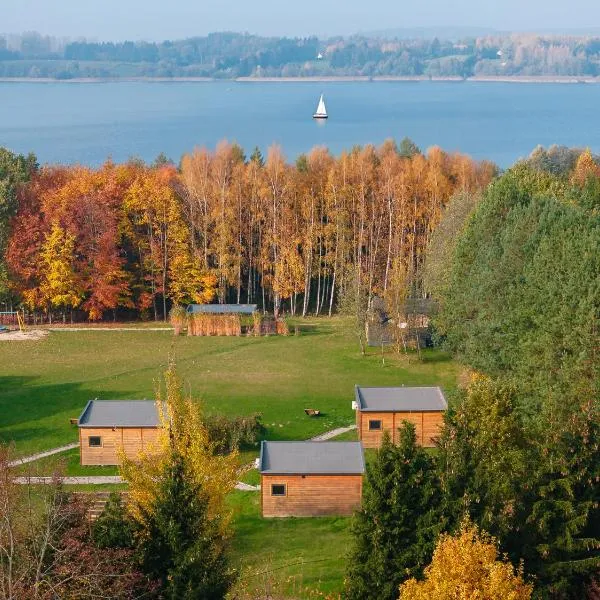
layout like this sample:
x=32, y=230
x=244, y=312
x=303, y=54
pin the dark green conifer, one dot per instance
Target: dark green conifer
x=398, y=523
x=257, y=157
x=182, y=547
x=408, y=148
x=565, y=515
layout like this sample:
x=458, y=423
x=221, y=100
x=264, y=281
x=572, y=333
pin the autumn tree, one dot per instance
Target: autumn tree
x=177, y=492
x=88, y=203
x=585, y=167
x=15, y=171
x=59, y=287
x=465, y=566
x=284, y=236
x=153, y=218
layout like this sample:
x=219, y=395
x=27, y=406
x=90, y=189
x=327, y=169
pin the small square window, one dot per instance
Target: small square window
x=95, y=441
x=278, y=489
x=375, y=425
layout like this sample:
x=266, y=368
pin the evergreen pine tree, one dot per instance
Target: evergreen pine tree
x=397, y=526
x=408, y=148
x=566, y=512
x=257, y=157
x=182, y=547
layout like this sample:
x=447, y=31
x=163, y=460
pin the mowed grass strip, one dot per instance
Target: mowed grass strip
x=44, y=383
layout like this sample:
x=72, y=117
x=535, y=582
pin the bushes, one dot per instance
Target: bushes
x=113, y=528
x=205, y=324
x=232, y=434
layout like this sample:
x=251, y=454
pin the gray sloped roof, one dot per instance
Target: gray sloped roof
x=311, y=458
x=400, y=399
x=119, y=413
x=222, y=309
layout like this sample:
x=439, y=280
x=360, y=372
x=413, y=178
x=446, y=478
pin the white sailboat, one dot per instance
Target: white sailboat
x=321, y=112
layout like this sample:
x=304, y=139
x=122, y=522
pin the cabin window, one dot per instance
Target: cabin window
x=95, y=441
x=278, y=489
x=375, y=425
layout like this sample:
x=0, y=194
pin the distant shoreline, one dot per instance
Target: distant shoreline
x=328, y=79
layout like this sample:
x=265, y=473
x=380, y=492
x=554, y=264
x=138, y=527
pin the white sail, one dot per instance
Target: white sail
x=321, y=110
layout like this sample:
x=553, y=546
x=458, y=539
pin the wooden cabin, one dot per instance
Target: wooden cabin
x=310, y=479
x=105, y=426
x=380, y=409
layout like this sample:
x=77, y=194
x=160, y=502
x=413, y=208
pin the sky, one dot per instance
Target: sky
x=172, y=19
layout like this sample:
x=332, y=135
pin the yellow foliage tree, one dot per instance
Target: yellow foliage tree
x=58, y=287
x=467, y=566
x=584, y=168
x=183, y=434
x=188, y=281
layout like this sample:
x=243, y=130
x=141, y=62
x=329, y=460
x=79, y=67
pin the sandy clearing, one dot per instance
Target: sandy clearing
x=23, y=336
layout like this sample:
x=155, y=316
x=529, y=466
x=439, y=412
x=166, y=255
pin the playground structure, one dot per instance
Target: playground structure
x=13, y=318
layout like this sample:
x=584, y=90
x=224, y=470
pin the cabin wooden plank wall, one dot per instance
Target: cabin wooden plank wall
x=427, y=426
x=131, y=439
x=311, y=495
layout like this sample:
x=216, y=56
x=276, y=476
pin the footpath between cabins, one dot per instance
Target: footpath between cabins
x=116, y=479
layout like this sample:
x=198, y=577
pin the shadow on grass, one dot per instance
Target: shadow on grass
x=40, y=413
x=311, y=329
x=435, y=355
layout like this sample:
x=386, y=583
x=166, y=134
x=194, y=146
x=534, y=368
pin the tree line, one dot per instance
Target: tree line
x=221, y=227
x=516, y=278
x=228, y=55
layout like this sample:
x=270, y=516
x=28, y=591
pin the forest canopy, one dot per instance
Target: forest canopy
x=138, y=239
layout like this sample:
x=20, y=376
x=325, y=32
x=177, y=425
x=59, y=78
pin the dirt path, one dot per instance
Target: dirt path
x=169, y=329
x=83, y=480
x=106, y=479
x=34, y=457
x=331, y=434
x=114, y=479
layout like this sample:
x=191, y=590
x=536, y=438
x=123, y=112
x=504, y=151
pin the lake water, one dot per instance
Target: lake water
x=86, y=123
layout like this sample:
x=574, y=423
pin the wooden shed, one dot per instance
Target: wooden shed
x=310, y=479
x=380, y=409
x=105, y=426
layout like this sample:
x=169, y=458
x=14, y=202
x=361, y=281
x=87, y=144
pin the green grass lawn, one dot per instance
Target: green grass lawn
x=292, y=557
x=44, y=383
x=66, y=464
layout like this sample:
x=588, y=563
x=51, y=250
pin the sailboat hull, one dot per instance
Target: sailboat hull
x=316, y=116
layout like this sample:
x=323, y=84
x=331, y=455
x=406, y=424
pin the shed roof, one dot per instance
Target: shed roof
x=400, y=399
x=222, y=309
x=119, y=413
x=311, y=458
